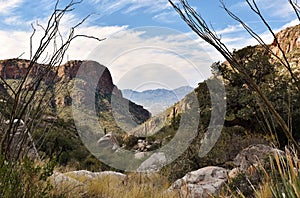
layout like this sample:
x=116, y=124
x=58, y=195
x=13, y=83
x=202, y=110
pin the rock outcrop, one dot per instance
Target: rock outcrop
x=76, y=183
x=154, y=163
x=108, y=141
x=208, y=181
x=289, y=40
x=105, y=85
x=202, y=183
x=15, y=68
x=61, y=78
x=252, y=156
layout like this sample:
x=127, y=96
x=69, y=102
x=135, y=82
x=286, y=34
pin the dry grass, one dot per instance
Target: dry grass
x=284, y=179
x=280, y=179
x=134, y=185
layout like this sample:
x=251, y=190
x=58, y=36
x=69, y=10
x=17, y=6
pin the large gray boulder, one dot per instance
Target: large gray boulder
x=202, y=183
x=91, y=175
x=254, y=155
x=67, y=185
x=250, y=158
x=76, y=183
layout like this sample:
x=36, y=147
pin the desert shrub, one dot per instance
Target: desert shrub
x=25, y=178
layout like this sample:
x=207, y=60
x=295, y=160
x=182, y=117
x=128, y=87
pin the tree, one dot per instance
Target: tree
x=200, y=27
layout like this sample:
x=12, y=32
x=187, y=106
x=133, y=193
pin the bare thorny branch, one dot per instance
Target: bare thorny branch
x=256, y=10
x=199, y=26
x=26, y=105
x=296, y=8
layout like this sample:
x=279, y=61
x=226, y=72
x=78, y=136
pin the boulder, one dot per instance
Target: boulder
x=76, y=183
x=140, y=155
x=202, y=183
x=254, y=155
x=90, y=175
x=154, y=163
x=66, y=184
x=108, y=141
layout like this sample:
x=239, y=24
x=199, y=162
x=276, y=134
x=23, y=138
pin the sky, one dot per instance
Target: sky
x=146, y=45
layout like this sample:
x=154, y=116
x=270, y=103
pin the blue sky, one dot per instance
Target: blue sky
x=142, y=35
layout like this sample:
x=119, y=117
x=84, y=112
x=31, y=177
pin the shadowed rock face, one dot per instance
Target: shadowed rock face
x=13, y=68
x=254, y=155
x=94, y=70
x=61, y=95
x=17, y=69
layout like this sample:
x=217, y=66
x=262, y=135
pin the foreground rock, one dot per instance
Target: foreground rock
x=88, y=174
x=208, y=181
x=65, y=184
x=202, y=183
x=254, y=155
x=76, y=183
x=250, y=158
x=22, y=142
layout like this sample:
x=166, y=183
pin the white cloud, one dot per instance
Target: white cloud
x=289, y=24
x=14, y=42
x=17, y=42
x=140, y=48
x=166, y=16
x=230, y=29
x=16, y=20
x=131, y=51
x=7, y=5
x=128, y=6
x=164, y=56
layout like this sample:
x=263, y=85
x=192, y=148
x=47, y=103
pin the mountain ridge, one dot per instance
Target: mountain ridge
x=157, y=100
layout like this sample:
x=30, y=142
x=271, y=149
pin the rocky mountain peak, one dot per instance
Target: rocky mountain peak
x=289, y=40
x=62, y=77
x=14, y=68
x=68, y=71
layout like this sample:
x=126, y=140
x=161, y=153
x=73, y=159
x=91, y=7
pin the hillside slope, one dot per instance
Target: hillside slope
x=246, y=121
x=56, y=133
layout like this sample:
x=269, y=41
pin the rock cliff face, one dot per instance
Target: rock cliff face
x=105, y=85
x=13, y=69
x=62, y=78
x=17, y=68
x=289, y=40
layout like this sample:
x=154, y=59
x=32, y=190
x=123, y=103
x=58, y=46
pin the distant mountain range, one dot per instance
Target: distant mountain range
x=157, y=100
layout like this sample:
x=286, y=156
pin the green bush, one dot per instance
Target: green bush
x=25, y=178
